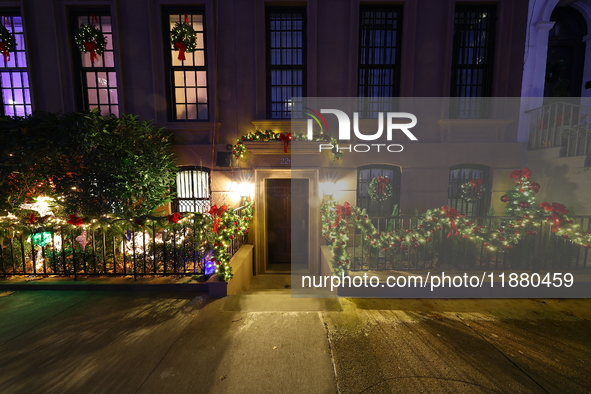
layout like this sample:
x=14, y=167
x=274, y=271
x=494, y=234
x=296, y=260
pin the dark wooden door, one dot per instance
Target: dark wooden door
x=287, y=220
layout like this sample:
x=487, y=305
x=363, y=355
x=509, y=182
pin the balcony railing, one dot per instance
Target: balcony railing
x=561, y=125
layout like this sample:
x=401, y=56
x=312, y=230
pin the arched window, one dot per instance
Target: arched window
x=461, y=174
x=365, y=175
x=193, y=190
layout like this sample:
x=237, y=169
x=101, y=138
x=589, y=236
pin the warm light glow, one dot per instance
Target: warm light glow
x=245, y=189
x=41, y=206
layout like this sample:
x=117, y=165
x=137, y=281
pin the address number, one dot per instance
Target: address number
x=285, y=160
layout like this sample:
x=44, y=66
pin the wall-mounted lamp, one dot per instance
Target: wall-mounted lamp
x=245, y=190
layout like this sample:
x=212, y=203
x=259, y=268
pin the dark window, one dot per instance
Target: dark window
x=472, y=67
x=193, y=190
x=187, y=79
x=380, y=30
x=461, y=174
x=373, y=208
x=16, y=93
x=286, y=59
x=96, y=81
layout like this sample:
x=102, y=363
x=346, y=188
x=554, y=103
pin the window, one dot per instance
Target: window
x=96, y=80
x=379, y=57
x=461, y=174
x=16, y=93
x=472, y=68
x=187, y=79
x=365, y=175
x=193, y=190
x=286, y=59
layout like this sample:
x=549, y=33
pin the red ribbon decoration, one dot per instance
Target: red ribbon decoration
x=345, y=210
x=382, y=181
x=286, y=138
x=75, y=220
x=217, y=215
x=452, y=214
x=182, y=48
x=555, y=208
x=90, y=46
x=32, y=219
x=518, y=174
x=475, y=186
x=5, y=52
x=175, y=217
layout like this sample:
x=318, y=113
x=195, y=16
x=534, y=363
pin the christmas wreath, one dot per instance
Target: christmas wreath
x=7, y=43
x=90, y=39
x=380, y=189
x=472, y=190
x=183, y=38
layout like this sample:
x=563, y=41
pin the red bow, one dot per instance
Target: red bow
x=5, y=52
x=345, y=211
x=475, y=186
x=182, y=48
x=175, y=217
x=32, y=219
x=90, y=46
x=519, y=174
x=554, y=208
x=285, y=138
x=452, y=214
x=75, y=220
x=382, y=181
x=217, y=215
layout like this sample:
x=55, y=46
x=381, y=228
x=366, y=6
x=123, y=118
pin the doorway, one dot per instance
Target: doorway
x=287, y=213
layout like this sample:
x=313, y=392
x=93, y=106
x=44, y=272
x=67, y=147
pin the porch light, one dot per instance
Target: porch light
x=245, y=190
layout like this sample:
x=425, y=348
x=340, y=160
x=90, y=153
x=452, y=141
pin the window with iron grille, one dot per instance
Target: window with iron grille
x=286, y=59
x=465, y=173
x=96, y=81
x=365, y=174
x=472, y=67
x=380, y=30
x=193, y=190
x=186, y=79
x=16, y=93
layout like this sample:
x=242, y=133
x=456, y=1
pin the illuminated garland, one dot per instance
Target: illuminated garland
x=472, y=190
x=239, y=149
x=338, y=221
x=380, y=189
x=232, y=224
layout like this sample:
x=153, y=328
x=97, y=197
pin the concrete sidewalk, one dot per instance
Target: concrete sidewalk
x=264, y=341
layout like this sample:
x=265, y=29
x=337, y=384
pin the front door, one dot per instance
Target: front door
x=287, y=222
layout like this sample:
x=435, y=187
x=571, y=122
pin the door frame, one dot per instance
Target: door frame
x=260, y=215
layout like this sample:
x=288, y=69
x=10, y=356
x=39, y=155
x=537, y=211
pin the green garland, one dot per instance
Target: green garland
x=89, y=39
x=470, y=197
x=337, y=226
x=372, y=190
x=7, y=40
x=183, y=33
x=239, y=150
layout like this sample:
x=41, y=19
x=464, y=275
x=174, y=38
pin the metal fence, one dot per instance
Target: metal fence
x=540, y=251
x=182, y=251
x=561, y=125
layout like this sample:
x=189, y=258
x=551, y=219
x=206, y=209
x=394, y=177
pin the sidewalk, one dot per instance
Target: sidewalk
x=264, y=341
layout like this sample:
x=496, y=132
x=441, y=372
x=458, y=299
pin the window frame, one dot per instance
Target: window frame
x=370, y=108
x=169, y=68
x=382, y=209
x=454, y=199
x=269, y=68
x=11, y=12
x=195, y=201
x=481, y=108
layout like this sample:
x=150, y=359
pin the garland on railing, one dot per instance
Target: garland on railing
x=239, y=150
x=225, y=223
x=337, y=219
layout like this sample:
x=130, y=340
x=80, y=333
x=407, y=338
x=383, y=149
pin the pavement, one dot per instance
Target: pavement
x=264, y=341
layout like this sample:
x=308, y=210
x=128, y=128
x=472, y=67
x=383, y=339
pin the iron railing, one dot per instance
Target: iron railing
x=541, y=251
x=561, y=125
x=149, y=251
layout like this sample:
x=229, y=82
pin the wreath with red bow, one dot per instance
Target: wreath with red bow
x=7, y=43
x=380, y=189
x=183, y=38
x=90, y=39
x=472, y=190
